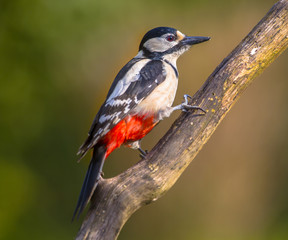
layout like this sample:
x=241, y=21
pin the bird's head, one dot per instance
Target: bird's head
x=166, y=43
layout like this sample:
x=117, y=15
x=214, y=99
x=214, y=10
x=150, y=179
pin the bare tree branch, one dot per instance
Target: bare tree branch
x=116, y=199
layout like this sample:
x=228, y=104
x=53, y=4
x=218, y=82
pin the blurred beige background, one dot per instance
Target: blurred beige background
x=58, y=59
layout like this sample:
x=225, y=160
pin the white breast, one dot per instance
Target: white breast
x=162, y=96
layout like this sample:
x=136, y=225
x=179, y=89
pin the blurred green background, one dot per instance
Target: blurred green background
x=57, y=61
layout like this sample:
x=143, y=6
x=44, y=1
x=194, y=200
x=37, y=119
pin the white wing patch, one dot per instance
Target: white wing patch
x=131, y=76
x=117, y=102
x=104, y=118
x=114, y=117
x=127, y=109
x=136, y=100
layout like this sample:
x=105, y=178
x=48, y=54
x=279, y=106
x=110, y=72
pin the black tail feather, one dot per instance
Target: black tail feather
x=91, y=179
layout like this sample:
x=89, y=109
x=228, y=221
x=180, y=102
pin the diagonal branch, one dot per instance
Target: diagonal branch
x=116, y=199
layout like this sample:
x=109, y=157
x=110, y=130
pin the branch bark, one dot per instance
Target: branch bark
x=116, y=199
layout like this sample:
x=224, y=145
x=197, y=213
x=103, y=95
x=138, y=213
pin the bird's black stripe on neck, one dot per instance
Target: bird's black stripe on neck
x=159, y=56
x=174, y=68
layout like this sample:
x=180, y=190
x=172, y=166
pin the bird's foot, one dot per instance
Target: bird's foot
x=143, y=153
x=185, y=106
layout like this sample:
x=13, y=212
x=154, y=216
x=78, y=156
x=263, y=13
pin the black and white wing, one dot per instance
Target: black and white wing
x=135, y=81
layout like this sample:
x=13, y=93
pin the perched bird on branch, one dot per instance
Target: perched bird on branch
x=140, y=96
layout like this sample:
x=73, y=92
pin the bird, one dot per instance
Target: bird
x=140, y=96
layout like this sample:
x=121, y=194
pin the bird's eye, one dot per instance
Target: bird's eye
x=170, y=38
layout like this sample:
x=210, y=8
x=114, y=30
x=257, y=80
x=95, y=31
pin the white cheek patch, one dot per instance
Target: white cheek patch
x=159, y=44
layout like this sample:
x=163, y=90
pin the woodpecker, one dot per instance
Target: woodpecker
x=140, y=96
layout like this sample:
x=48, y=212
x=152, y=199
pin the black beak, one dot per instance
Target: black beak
x=194, y=40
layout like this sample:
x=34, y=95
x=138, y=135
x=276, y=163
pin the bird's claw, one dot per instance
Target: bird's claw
x=143, y=153
x=185, y=106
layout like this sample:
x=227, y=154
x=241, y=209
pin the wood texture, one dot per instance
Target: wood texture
x=116, y=199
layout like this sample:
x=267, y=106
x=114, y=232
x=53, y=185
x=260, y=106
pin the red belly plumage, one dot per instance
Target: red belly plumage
x=131, y=128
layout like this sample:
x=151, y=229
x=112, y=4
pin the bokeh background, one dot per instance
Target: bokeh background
x=57, y=61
